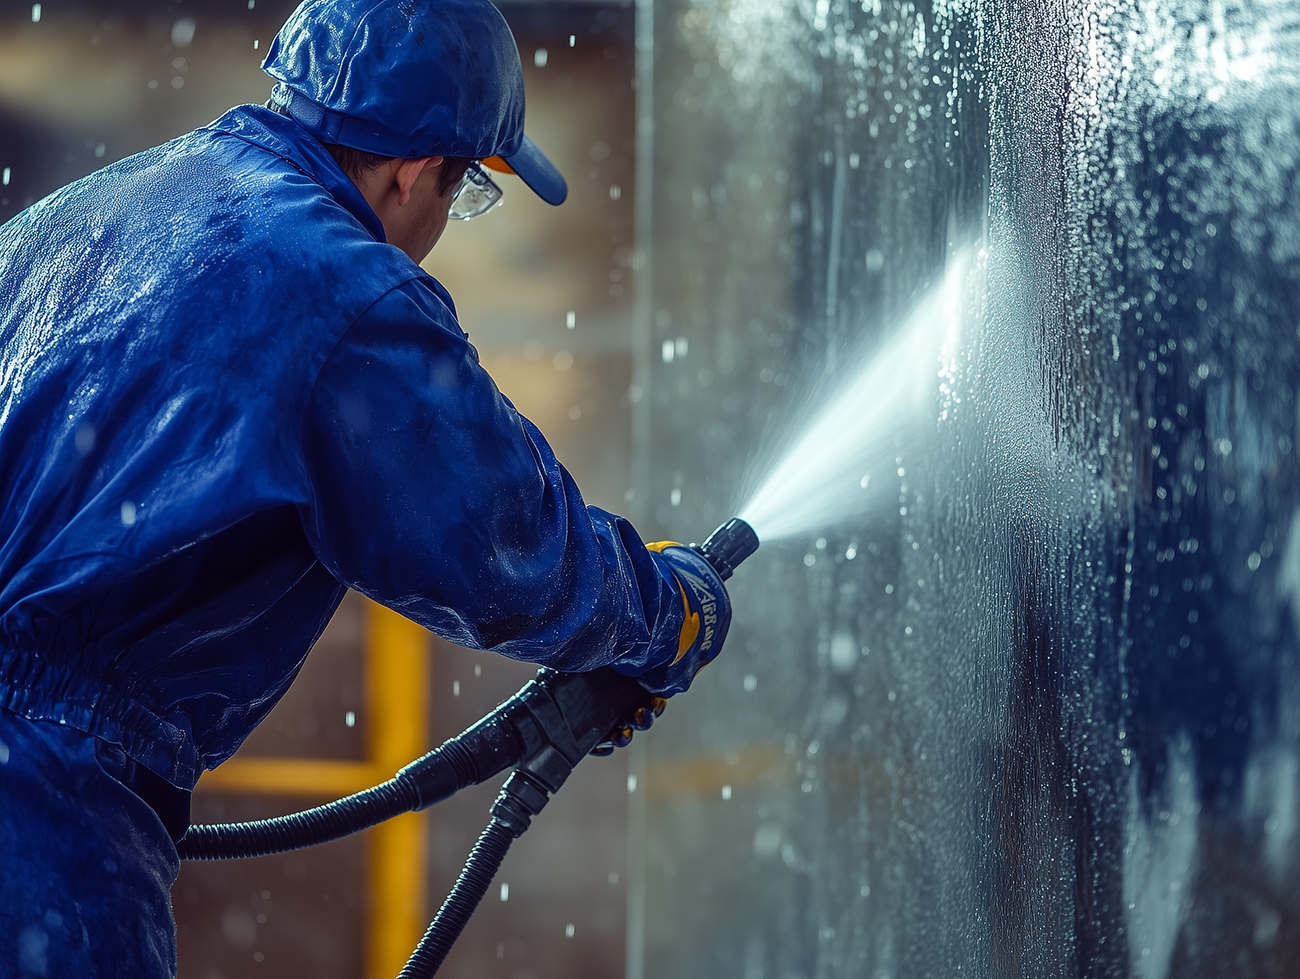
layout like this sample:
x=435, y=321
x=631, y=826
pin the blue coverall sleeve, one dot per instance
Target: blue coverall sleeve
x=430, y=493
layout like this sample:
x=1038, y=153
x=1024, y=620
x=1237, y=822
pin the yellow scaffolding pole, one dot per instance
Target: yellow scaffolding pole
x=398, y=660
x=397, y=719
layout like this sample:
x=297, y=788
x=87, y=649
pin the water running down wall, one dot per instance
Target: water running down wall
x=1036, y=710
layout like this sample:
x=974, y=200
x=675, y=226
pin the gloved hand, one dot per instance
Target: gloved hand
x=641, y=720
x=707, y=616
x=707, y=609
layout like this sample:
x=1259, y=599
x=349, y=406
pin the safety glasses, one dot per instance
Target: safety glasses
x=477, y=194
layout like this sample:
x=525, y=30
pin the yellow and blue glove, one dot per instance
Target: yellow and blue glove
x=706, y=615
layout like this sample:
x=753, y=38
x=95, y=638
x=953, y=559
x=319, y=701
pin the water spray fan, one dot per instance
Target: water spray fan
x=543, y=731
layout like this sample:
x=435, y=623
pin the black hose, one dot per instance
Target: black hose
x=474, y=880
x=225, y=841
x=439, y=774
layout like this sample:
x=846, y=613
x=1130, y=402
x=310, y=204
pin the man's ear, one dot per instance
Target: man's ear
x=407, y=172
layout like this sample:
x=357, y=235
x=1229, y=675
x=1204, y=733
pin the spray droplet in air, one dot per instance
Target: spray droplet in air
x=865, y=481
x=36, y=13
x=183, y=32
x=844, y=652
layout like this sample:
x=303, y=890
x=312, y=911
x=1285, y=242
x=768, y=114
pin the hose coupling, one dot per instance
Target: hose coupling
x=519, y=800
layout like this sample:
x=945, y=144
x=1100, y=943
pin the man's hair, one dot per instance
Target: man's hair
x=357, y=163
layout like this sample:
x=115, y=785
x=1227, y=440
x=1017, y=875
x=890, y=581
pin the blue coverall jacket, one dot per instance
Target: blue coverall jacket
x=223, y=400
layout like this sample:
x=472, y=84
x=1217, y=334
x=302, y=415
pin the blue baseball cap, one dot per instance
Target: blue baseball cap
x=410, y=78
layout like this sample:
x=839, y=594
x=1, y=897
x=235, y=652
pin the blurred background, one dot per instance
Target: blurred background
x=1030, y=706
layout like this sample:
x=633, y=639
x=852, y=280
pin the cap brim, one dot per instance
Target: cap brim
x=539, y=173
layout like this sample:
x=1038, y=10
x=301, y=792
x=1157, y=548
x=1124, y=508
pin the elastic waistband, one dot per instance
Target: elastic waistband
x=39, y=690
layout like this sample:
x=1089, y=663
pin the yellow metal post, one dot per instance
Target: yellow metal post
x=397, y=655
x=397, y=719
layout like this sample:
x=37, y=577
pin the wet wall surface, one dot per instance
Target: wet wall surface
x=1033, y=707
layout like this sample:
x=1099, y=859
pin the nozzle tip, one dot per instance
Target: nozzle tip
x=729, y=545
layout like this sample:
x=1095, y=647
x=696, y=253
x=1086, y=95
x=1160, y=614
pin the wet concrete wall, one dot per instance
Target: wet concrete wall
x=1032, y=708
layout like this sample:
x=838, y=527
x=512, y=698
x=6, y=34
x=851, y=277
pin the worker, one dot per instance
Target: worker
x=228, y=393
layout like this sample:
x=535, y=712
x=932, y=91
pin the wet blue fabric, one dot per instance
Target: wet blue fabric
x=408, y=79
x=86, y=866
x=223, y=400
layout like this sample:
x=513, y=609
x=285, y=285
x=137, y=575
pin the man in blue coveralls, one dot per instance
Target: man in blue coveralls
x=228, y=392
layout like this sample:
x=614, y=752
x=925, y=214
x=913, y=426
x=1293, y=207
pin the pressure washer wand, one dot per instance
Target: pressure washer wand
x=530, y=786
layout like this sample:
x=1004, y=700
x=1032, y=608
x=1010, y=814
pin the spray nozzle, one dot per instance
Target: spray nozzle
x=727, y=546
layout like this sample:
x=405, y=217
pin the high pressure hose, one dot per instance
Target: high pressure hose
x=490, y=746
x=226, y=841
x=482, y=865
x=520, y=799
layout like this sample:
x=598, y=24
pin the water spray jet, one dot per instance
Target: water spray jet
x=829, y=472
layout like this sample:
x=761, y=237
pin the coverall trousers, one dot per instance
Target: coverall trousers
x=86, y=865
